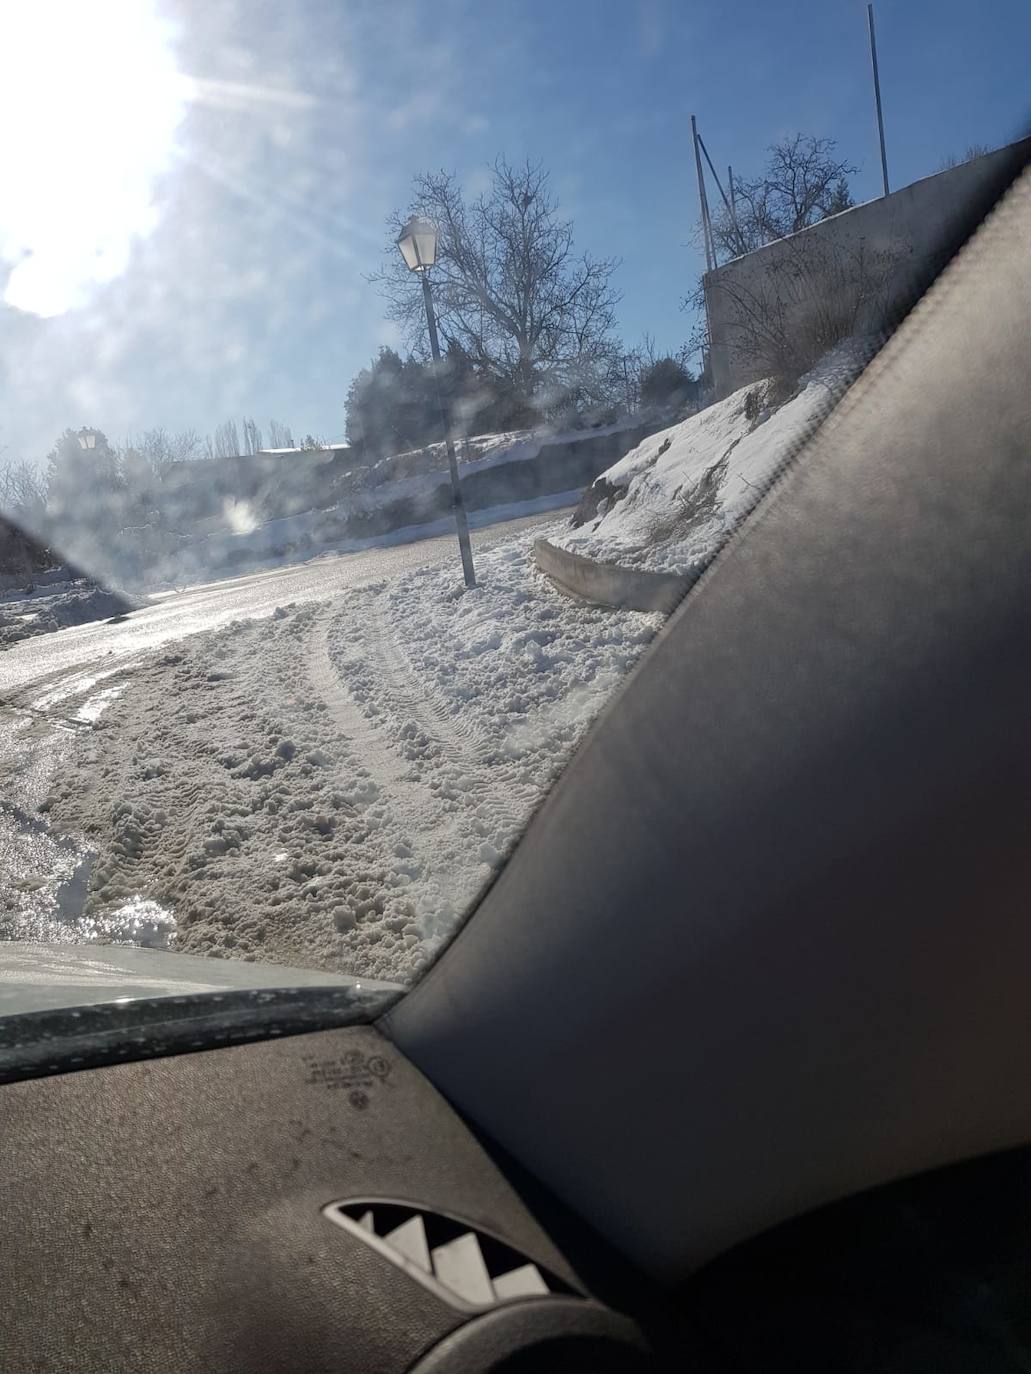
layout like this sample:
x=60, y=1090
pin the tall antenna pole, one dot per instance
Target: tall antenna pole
x=710, y=258
x=877, y=97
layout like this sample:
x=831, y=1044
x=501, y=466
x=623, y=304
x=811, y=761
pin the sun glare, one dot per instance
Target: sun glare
x=90, y=101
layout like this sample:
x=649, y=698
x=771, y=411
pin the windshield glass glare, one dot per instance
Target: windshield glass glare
x=376, y=380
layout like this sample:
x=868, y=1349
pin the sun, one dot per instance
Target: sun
x=90, y=105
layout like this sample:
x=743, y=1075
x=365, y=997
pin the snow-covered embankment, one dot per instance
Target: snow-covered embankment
x=673, y=501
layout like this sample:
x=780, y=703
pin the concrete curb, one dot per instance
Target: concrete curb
x=607, y=584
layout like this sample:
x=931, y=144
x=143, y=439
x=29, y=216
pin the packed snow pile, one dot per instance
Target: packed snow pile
x=671, y=503
x=334, y=786
x=26, y=613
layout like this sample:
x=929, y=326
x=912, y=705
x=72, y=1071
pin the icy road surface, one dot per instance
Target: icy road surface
x=103, y=645
x=320, y=766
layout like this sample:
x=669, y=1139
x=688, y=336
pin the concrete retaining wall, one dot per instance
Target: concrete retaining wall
x=913, y=228
x=607, y=584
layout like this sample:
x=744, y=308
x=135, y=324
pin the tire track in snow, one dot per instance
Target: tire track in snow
x=414, y=806
x=443, y=863
x=461, y=738
x=72, y=700
x=367, y=742
x=470, y=761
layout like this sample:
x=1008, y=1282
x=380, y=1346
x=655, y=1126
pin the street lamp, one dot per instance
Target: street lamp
x=88, y=438
x=418, y=244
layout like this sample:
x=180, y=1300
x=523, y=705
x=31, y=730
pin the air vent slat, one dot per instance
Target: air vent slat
x=524, y=1282
x=460, y=1267
x=466, y=1267
x=410, y=1241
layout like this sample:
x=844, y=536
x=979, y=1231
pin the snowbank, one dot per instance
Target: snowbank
x=672, y=502
x=331, y=788
x=57, y=606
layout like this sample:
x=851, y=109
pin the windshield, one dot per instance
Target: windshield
x=376, y=380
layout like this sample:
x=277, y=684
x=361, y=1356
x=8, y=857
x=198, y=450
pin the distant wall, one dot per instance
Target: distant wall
x=278, y=484
x=915, y=226
x=557, y=467
x=307, y=500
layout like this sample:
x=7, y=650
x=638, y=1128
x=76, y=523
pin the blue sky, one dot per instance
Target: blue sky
x=243, y=291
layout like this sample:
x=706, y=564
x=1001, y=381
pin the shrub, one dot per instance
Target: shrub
x=667, y=384
x=809, y=297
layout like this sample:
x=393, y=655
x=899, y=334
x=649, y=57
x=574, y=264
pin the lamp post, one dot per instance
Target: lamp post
x=418, y=244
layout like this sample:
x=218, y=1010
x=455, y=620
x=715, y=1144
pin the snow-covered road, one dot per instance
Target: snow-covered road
x=102, y=644
x=319, y=766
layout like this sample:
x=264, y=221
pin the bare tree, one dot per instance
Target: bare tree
x=186, y=444
x=158, y=448
x=974, y=150
x=803, y=182
x=23, y=492
x=154, y=446
x=627, y=379
x=628, y=369
x=513, y=297
x=251, y=436
x=226, y=441
x=279, y=435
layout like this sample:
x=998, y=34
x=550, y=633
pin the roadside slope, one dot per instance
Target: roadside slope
x=672, y=502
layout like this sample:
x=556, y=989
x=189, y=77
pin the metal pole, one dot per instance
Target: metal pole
x=877, y=97
x=457, y=504
x=719, y=187
x=706, y=231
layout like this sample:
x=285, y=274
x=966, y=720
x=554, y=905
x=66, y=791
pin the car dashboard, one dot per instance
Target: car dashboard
x=307, y=1201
